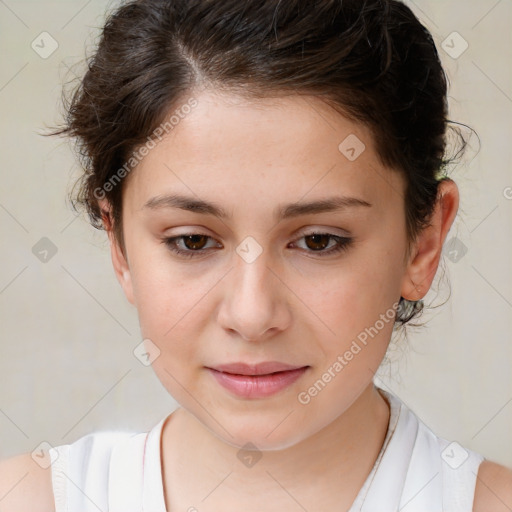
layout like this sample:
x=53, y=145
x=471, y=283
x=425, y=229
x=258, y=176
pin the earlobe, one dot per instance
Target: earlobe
x=428, y=247
x=119, y=260
x=121, y=269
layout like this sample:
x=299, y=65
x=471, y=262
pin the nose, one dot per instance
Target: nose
x=254, y=302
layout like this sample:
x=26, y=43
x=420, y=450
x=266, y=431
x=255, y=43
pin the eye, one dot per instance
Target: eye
x=195, y=244
x=318, y=242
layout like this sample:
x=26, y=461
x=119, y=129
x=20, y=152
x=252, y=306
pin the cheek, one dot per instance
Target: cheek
x=352, y=298
x=358, y=303
x=173, y=309
x=171, y=314
x=168, y=307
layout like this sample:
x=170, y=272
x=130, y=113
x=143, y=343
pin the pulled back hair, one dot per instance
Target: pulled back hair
x=371, y=60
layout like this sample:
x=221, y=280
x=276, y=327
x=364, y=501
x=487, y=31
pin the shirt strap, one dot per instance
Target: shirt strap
x=125, y=481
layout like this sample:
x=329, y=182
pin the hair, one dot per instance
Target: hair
x=371, y=60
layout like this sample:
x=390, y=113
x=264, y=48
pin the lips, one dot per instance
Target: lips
x=264, y=368
x=256, y=380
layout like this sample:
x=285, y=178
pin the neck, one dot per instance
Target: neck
x=331, y=465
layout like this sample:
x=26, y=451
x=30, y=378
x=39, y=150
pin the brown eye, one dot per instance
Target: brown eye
x=318, y=241
x=195, y=242
x=189, y=245
x=324, y=243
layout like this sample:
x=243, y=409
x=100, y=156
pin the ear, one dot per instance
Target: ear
x=426, y=254
x=119, y=259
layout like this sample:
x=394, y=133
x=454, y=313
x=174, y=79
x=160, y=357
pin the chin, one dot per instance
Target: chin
x=259, y=434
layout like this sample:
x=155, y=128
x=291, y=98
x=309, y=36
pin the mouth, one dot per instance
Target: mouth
x=264, y=368
x=256, y=380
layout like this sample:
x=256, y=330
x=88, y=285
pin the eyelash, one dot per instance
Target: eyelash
x=343, y=243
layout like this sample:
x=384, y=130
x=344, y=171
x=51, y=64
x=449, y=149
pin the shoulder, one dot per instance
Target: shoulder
x=493, y=490
x=25, y=486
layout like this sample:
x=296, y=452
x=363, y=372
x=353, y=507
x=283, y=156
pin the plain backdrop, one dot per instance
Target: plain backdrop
x=66, y=355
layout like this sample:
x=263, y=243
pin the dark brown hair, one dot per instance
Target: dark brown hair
x=372, y=60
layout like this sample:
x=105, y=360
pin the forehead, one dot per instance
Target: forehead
x=246, y=150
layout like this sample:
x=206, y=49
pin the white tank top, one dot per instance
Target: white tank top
x=415, y=471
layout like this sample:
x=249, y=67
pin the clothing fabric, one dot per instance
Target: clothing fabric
x=415, y=471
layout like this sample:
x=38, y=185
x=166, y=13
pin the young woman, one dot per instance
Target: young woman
x=271, y=178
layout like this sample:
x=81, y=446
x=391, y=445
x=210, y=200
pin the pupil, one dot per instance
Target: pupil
x=195, y=239
x=318, y=239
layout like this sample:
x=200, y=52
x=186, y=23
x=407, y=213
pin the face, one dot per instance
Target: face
x=272, y=280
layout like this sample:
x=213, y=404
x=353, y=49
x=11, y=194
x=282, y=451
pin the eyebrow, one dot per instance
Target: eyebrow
x=283, y=211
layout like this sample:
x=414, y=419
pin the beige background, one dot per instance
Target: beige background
x=66, y=361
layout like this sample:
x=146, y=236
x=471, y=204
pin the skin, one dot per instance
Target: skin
x=290, y=304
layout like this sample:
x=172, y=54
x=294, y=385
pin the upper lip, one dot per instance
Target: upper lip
x=255, y=369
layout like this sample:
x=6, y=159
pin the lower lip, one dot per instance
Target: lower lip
x=261, y=386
